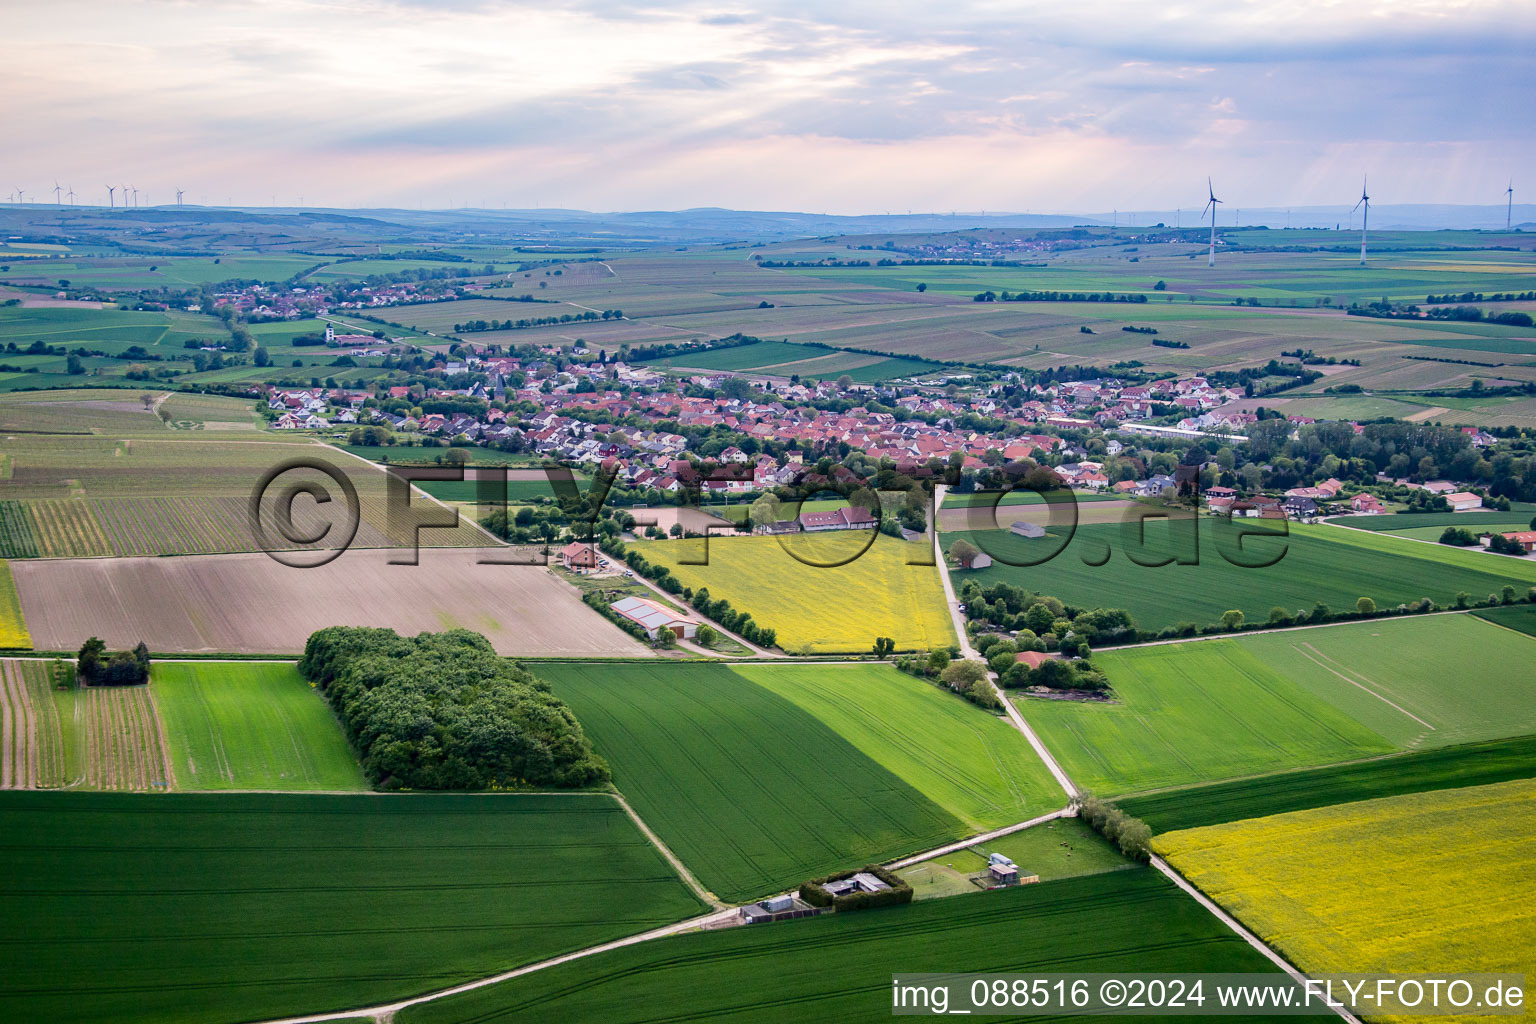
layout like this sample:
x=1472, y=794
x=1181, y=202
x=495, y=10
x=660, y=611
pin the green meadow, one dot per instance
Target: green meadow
x=1212, y=710
x=251, y=725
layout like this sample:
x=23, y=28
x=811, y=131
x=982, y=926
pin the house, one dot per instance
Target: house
x=653, y=616
x=781, y=527
x=1367, y=504
x=1462, y=501
x=1299, y=508
x=855, y=517
x=577, y=555
x=980, y=560
x=1023, y=529
x=1030, y=659
x=1220, y=492
x=1525, y=538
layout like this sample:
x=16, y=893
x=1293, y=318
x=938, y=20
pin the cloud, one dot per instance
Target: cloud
x=635, y=105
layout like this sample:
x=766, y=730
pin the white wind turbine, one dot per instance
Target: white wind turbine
x=1211, y=206
x=1509, y=207
x=111, y=196
x=1365, y=217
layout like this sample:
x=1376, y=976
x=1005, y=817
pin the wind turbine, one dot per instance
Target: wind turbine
x=1211, y=206
x=71, y=194
x=111, y=196
x=1509, y=208
x=179, y=193
x=1365, y=217
x=20, y=195
x=56, y=192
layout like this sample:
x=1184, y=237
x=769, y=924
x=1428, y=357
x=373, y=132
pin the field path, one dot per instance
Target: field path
x=672, y=858
x=969, y=652
x=1320, y=659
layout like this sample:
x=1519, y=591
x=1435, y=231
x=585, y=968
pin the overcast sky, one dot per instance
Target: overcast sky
x=844, y=107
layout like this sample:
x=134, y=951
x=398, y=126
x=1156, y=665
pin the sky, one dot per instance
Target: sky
x=839, y=107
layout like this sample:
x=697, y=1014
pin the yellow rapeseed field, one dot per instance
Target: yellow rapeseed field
x=819, y=610
x=1428, y=882
x=13, y=628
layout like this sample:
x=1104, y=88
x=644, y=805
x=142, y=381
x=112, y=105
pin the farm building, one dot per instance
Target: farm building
x=652, y=616
x=855, y=517
x=577, y=555
x=861, y=881
x=779, y=528
x=980, y=560
x=1525, y=538
x=1463, y=501
x=777, y=908
x=1024, y=529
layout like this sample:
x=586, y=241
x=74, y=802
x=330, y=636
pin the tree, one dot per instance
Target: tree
x=707, y=635
x=665, y=637
x=88, y=667
x=456, y=457
x=1507, y=594
x=1462, y=597
x=960, y=676
x=261, y=357
x=148, y=398
x=844, y=382
x=884, y=645
x=74, y=365
x=1160, y=286
x=764, y=510
x=1365, y=606
x=1279, y=614
x=922, y=287
x=1232, y=619
x=962, y=551
x=938, y=661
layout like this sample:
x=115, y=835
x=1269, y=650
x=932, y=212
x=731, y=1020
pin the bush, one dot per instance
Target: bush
x=444, y=711
x=1365, y=606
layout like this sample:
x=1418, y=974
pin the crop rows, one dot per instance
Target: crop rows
x=123, y=749
x=31, y=741
x=67, y=528
x=158, y=526
x=16, y=537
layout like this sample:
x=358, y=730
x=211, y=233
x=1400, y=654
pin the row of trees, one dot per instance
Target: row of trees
x=444, y=711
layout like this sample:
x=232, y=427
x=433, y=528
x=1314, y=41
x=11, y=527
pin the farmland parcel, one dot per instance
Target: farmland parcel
x=233, y=907
x=1344, y=888
x=822, y=607
x=969, y=762
x=252, y=604
x=752, y=792
x=1219, y=709
x=1320, y=563
x=837, y=968
x=243, y=725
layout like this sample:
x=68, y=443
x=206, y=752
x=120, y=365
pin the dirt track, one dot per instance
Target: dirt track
x=248, y=603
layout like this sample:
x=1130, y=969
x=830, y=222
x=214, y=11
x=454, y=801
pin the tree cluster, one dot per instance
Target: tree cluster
x=125, y=668
x=444, y=711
